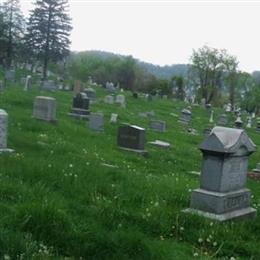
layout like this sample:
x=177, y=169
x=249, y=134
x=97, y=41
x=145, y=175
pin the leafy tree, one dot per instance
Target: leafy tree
x=12, y=27
x=48, y=31
x=178, y=85
x=210, y=66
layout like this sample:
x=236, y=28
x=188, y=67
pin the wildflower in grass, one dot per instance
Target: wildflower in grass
x=211, y=224
x=7, y=257
x=161, y=237
x=208, y=240
x=70, y=165
x=181, y=228
x=200, y=240
x=232, y=258
x=49, y=165
x=215, y=243
x=156, y=204
x=148, y=214
x=195, y=254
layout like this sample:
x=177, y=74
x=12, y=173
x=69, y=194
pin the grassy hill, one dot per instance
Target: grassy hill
x=70, y=192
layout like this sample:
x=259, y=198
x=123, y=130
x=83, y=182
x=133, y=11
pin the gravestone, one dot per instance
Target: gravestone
x=203, y=102
x=211, y=120
x=110, y=87
x=222, y=120
x=96, y=121
x=1, y=85
x=160, y=144
x=28, y=83
x=185, y=117
x=44, y=108
x=113, y=118
x=131, y=138
x=80, y=106
x=120, y=99
x=109, y=99
x=48, y=85
x=238, y=123
x=135, y=95
x=91, y=93
x=257, y=169
x=222, y=194
x=10, y=75
x=249, y=122
x=3, y=132
x=258, y=124
x=158, y=125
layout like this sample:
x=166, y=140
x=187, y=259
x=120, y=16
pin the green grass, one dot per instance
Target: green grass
x=58, y=199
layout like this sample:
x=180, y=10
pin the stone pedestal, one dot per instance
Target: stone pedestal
x=222, y=194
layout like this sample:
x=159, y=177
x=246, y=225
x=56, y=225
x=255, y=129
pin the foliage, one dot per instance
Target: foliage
x=48, y=31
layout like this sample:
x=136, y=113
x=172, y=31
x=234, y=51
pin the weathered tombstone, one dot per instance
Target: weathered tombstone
x=80, y=107
x=249, y=122
x=10, y=75
x=258, y=124
x=91, y=93
x=28, y=83
x=257, y=169
x=253, y=115
x=203, y=102
x=109, y=99
x=185, y=116
x=238, y=123
x=227, y=107
x=211, y=120
x=48, y=85
x=44, y=108
x=96, y=121
x=222, y=120
x=135, y=95
x=113, y=118
x=160, y=144
x=120, y=99
x=110, y=87
x=131, y=138
x=222, y=194
x=3, y=132
x=158, y=125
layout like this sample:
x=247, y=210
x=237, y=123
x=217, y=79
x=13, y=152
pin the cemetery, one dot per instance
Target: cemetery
x=106, y=156
x=63, y=178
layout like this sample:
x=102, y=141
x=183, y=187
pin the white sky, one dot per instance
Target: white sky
x=165, y=32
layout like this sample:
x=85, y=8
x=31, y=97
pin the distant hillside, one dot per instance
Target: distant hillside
x=166, y=72
x=163, y=72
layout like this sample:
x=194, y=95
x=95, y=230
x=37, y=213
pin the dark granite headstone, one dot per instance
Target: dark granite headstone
x=222, y=194
x=131, y=137
x=80, y=107
x=158, y=125
x=185, y=116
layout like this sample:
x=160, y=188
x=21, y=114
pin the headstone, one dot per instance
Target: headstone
x=109, y=99
x=131, y=137
x=161, y=144
x=211, y=119
x=113, y=118
x=253, y=115
x=135, y=95
x=48, y=85
x=110, y=87
x=1, y=85
x=96, y=121
x=120, y=99
x=158, y=125
x=44, y=108
x=203, y=102
x=249, y=122
x=208, y=107
x=3, y=132
x=80, y=107
x=227, y=107
x=238, y=123
x=185, y=116
x=257, y=169
x=258, y=124
x=28, y=83
x=91, y=93
x=10, y=75
x=222, y=120
x=222, y=194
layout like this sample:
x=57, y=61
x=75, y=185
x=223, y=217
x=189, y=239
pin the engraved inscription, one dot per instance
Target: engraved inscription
x=234, y=202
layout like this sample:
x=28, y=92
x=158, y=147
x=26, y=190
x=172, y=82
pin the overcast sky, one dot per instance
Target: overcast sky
x=165, y=32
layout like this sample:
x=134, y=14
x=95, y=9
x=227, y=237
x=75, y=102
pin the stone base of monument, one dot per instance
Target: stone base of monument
x=221, y=206
x=142, y=152
x=6, y=150
x=79, y=113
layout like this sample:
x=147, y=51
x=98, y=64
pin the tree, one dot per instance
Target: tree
x=48, y=31
x=178, y=84
x=210, y=66
x=12, y=27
